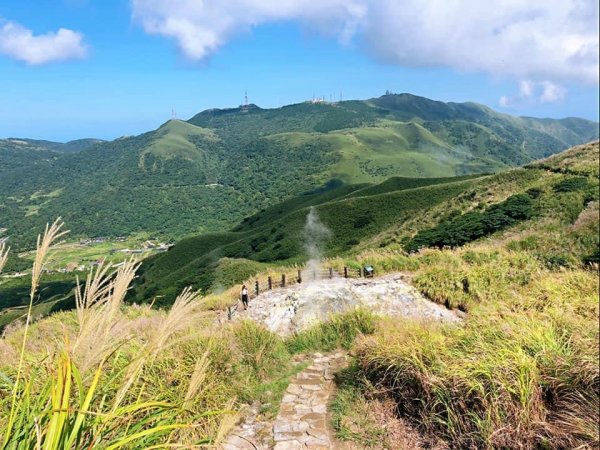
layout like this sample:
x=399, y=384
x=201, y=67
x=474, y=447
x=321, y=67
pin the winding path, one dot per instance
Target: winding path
x=302, y=422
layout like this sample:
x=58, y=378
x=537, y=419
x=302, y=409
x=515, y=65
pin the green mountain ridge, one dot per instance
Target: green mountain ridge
x=384, y=215
x=222, y=165
x=74, y=146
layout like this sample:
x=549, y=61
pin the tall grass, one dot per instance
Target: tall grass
x=88, y=390
x=118, y=376
x=339, y=331
x=44, y=242
x=521, y=373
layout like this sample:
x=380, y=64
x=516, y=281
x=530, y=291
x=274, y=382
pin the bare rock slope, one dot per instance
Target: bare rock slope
x=297, y=307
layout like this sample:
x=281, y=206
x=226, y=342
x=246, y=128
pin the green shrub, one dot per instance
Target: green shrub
x=260, y=350
x=534, y=192
x=592, y=258
x=570, y=184
x=339, y=331
x=470, y=226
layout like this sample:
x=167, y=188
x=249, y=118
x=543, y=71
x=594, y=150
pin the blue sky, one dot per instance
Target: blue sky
x=122, y=66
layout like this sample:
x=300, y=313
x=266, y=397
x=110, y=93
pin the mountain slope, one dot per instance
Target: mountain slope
x=520, y=371
x=222, y=165
x=389, y=214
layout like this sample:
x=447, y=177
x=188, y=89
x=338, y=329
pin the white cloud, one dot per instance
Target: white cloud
x=201, y=27
x=552, y=92
x=20, y=43
x=538, y=39
x=534, y=92
x=526, y=88
x=504, y=101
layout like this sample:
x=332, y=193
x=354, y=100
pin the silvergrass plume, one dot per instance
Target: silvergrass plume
x=181, y=316
x=97, y=313
x=51, y=235
x=4, y=249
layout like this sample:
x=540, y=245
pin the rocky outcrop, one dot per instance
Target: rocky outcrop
x=296, y=308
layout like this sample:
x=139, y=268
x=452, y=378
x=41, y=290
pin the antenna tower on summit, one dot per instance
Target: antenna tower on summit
x=246, y=98
x=173, y=114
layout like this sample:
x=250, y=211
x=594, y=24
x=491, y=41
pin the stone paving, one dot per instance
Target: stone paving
x=302, y=420
x=251, y=433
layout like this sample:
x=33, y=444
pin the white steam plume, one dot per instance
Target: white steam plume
x=315, y=236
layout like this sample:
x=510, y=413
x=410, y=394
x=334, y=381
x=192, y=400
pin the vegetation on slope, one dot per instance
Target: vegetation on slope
x=390, y=215
x=521, y=372
x=457, y=231
x=398, y=214
x=276, y=235
x=207, y=174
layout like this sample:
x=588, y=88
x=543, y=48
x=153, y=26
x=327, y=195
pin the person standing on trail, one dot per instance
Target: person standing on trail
x=245, y=296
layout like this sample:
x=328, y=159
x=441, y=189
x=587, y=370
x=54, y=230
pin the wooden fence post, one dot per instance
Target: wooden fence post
x=283, y=280
x=299, y=276
x=270, y=283
x=256, y=289
x=345, y=272
x=330, y=273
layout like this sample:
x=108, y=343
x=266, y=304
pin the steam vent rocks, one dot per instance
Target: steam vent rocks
x=296, y=308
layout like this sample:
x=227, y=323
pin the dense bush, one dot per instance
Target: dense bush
x=571, y=184
x=470, y=226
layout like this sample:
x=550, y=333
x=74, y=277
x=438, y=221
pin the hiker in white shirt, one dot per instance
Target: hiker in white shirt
x=245, y=296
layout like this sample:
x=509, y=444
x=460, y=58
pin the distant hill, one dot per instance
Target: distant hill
x=222, y=165
x=33, y=144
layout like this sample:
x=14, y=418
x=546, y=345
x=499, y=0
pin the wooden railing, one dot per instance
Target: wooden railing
x=289, y=279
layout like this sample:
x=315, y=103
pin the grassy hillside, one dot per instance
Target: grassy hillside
x=276, y=234
x=398, y=214
x=207, y=174
x=39, y=145
x=521, y=371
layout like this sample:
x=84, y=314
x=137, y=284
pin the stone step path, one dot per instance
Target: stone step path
x=302, y=422
x=251, y=433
